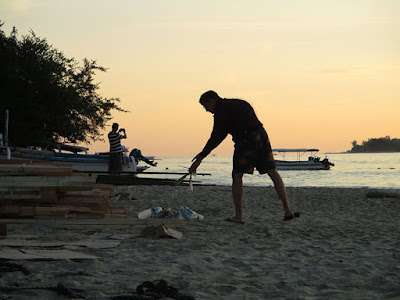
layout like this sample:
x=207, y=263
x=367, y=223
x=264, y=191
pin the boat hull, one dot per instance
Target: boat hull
x=90, y=163
x=300, y=165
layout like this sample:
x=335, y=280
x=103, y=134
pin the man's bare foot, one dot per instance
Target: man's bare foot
x=292, y=216
x=235, y=220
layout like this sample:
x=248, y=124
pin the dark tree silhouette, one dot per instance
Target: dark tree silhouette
x=50, y=98
x=384, y=144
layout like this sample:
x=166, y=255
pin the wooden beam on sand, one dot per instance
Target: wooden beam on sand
x=14, y=161
x=382, y=194
x=116, y=222
x=31, y=169
x=53, y=194
x=131, y=180
x=146, y=173
x=94, y=222
x=43, y=254
x=3, y=231
x=173, y=173
x=45, y=181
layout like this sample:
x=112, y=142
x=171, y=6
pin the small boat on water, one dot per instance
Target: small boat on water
x=79, y=158
x=313, y=162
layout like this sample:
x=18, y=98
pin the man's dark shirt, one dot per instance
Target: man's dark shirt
x=235, y=117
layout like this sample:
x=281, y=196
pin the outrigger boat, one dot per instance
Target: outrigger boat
x=79, y=158
x=313, y=162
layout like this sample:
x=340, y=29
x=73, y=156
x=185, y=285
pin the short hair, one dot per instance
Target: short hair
x=115, y=126
x=209, y=95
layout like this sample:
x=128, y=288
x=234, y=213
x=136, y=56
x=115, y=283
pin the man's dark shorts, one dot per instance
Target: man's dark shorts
x=115, y=165
x=255, y=152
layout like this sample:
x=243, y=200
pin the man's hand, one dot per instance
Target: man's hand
x=123, y=130
x=196, y=163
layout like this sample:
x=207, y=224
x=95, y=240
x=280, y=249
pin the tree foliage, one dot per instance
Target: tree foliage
x=384, y=144
x=50, y=98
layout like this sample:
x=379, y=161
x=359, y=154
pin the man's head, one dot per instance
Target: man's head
x=115, y=127
x=209, y=100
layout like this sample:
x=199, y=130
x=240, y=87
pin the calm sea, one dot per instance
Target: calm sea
x=377, y=170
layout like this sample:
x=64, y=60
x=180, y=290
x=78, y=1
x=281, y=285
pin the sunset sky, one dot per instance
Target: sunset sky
x=319, y=73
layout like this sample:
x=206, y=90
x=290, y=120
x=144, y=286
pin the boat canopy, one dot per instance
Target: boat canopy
x=64, y=147
x=296, y=150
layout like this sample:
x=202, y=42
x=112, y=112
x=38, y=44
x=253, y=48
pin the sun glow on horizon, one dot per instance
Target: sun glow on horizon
x=319, y=74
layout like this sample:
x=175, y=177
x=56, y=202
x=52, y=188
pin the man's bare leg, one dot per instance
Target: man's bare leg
x=281, y=190
x=237, y=193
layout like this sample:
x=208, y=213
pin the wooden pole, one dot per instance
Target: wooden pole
x=3, y=231
x=6, y=135
x=6, y=129
x=147, y=173
x=171, y=173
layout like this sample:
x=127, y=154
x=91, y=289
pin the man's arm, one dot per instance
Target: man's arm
x=213, y=142
x=218, y=134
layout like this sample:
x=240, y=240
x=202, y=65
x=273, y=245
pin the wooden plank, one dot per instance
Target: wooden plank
x=50, y=217
x=82, y=209
x=128, y=221
x=48, y=195
x=43, y=254
x=130, y=180
x=27, y=211
x=16, y=211
x=20, y=202
x=93, y=244
x=382, y=194
x=50, y=212
x=45, y=181
x=19, y=197
x=118, y=209
x=20, y=169
x=170, y=173
x=20, y=190
x=50, y=209
x=81, y=201
x=27, y=161
x=103, y=186
x=3, y=231
x=86, y=194
x=84, y=216
x=115, y=216
x=9, y=209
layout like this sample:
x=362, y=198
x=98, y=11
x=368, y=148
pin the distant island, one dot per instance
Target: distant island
x=384, y=144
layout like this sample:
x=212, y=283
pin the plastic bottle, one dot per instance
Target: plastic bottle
x=196, y=215
x=186, y=213
x=149, y=213
x=156, y=212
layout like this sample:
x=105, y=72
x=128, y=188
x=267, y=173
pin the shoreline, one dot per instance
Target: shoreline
x=367, y=152
x=344, y=245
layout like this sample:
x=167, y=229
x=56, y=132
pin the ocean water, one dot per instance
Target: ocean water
x=373, y=170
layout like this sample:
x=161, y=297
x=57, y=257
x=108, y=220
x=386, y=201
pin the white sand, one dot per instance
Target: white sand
x=343, y=246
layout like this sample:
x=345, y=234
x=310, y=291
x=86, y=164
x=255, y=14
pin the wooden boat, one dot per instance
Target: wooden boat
x=312, y=163
x=79, y=158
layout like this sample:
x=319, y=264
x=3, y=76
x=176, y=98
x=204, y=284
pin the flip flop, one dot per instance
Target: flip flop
x=234, y=221
x=295, y=215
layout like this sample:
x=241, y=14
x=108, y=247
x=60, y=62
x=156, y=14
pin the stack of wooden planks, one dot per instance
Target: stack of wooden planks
x=49, y=190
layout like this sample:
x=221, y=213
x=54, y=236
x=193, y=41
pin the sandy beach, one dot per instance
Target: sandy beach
x=343, y=246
